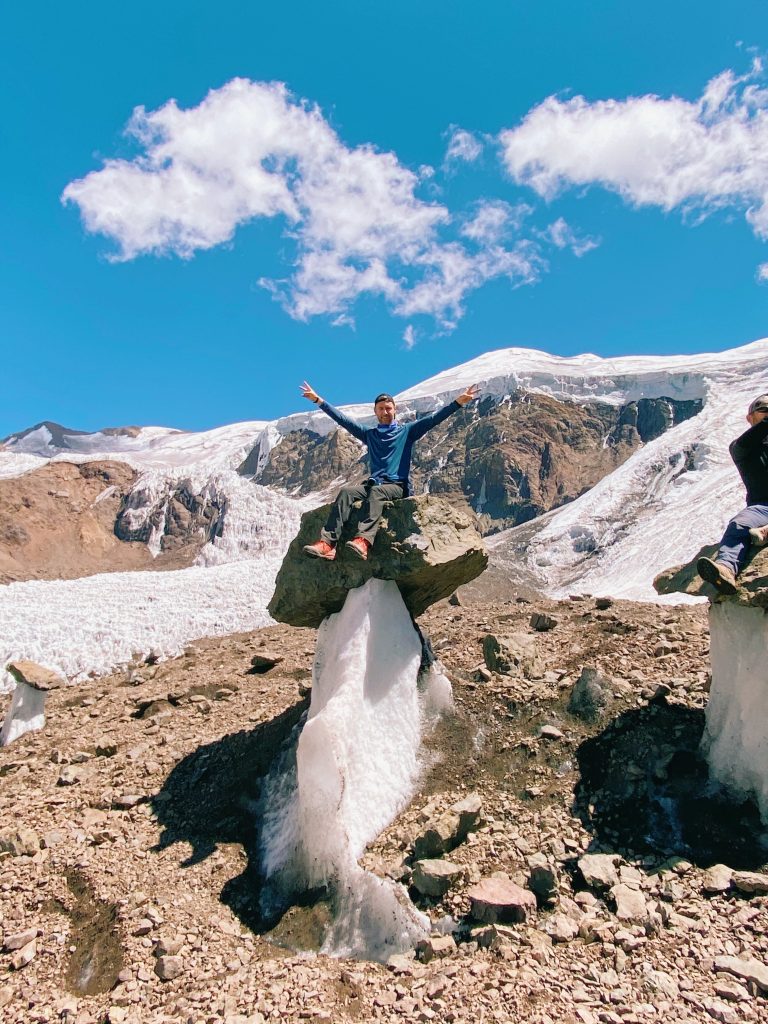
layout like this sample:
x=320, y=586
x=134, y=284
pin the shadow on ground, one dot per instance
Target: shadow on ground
x=212, y=797
x=644, y=789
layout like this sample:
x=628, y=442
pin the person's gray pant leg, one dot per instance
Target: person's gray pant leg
x=734, y=547
x=378, y=496
x=340, y=510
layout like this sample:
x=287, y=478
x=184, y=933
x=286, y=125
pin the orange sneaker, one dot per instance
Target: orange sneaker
x=360, y=546
x=321, y=549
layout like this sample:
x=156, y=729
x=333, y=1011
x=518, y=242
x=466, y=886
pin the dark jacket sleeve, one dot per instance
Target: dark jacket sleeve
x=419, y=427
x=356, y=429
x=749, y=442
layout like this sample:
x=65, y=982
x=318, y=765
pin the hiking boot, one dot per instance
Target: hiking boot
x=759, y=536
x=321, y=549
x=718, y=574
x=360, y=546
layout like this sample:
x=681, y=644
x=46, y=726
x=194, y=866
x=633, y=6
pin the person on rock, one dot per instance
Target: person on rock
x=750, y=526
x=389, y=445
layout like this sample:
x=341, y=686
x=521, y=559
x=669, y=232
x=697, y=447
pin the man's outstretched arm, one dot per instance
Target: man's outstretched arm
x=355, y=429
x=421, y=426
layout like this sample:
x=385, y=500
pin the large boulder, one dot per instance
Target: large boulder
x=428, y=547
x=753, y=580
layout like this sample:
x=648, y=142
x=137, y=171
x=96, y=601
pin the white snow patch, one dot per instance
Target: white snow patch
x=735, y=739
x=26, y=713
x=357, y=763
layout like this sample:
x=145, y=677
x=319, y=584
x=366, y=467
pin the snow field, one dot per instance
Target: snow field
x=93, y=624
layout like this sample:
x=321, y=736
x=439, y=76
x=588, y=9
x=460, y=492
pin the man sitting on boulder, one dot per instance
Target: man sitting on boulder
x=389, y=446
x=750, y=526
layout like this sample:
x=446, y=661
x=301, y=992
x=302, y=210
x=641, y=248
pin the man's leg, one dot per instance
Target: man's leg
x=378, y=495
x=340, y=510
x=734, y=547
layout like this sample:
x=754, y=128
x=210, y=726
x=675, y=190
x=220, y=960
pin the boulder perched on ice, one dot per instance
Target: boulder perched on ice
x=683, y=579
x=425, y=545
x=27, y=710
x=735, y=740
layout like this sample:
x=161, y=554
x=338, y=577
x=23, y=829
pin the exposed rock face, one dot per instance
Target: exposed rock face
x=304, y=461
x=58, y=522
x=181, y=519
x=511, y=460
x=425, y=545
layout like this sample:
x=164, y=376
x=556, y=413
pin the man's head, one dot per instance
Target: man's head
x=758, y=410
x=385, y=408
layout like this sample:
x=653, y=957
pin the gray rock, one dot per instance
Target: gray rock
x=435, y=947
x=498, y=899
x=717, y=878
x=543, y=878
x=424, y=544
x=514, y=654
x=18, y=940
x=561, y=928
x=550, y=732
x=444, y=832
x=36, y=676
x=662, y=983
x=169, y=967
x=752, y=882
x=126, y=801
x=599, y=869
x=22, y=842
x=263, y=662
x=71, y=775
x=542, y=622
x=24, y=956
x=591, y=695
x=630, y=903
x=168, y=945
x=435, y=877
x=747, y=968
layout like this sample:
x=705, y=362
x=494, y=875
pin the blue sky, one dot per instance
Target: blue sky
x=435, y=180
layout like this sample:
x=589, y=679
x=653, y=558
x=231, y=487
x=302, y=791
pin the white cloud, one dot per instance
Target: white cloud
x=353, y=215
x=409, y=337
x=463, y=145
x=762, y=273
x=698, y=156
x=562, y=236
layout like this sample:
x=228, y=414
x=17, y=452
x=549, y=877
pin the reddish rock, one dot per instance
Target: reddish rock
x=498, y=900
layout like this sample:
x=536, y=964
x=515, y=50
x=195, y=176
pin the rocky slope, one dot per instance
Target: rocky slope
x=510, y=459
x=67, y=520
x=130, y=840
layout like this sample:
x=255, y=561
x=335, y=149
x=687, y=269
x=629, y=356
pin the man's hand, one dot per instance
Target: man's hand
x=469, y=395
x=308, y=392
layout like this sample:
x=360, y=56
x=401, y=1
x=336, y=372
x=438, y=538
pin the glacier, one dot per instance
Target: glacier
x=668, y=498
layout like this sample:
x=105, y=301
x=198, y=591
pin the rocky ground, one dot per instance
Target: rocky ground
x=130, y=878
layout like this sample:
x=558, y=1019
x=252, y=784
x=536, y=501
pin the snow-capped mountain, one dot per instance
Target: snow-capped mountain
x=669, y=495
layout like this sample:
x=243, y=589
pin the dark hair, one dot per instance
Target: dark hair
x=383, y=397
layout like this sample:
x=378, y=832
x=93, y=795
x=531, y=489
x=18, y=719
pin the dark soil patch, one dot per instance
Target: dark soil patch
x=644, y=788
x=97, y=958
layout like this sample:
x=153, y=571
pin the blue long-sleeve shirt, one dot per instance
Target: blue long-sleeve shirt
x=389, y=446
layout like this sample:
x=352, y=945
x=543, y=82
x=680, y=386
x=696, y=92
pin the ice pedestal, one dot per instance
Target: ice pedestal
x=357, y=763
x=735, y=739
x=26, y=713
